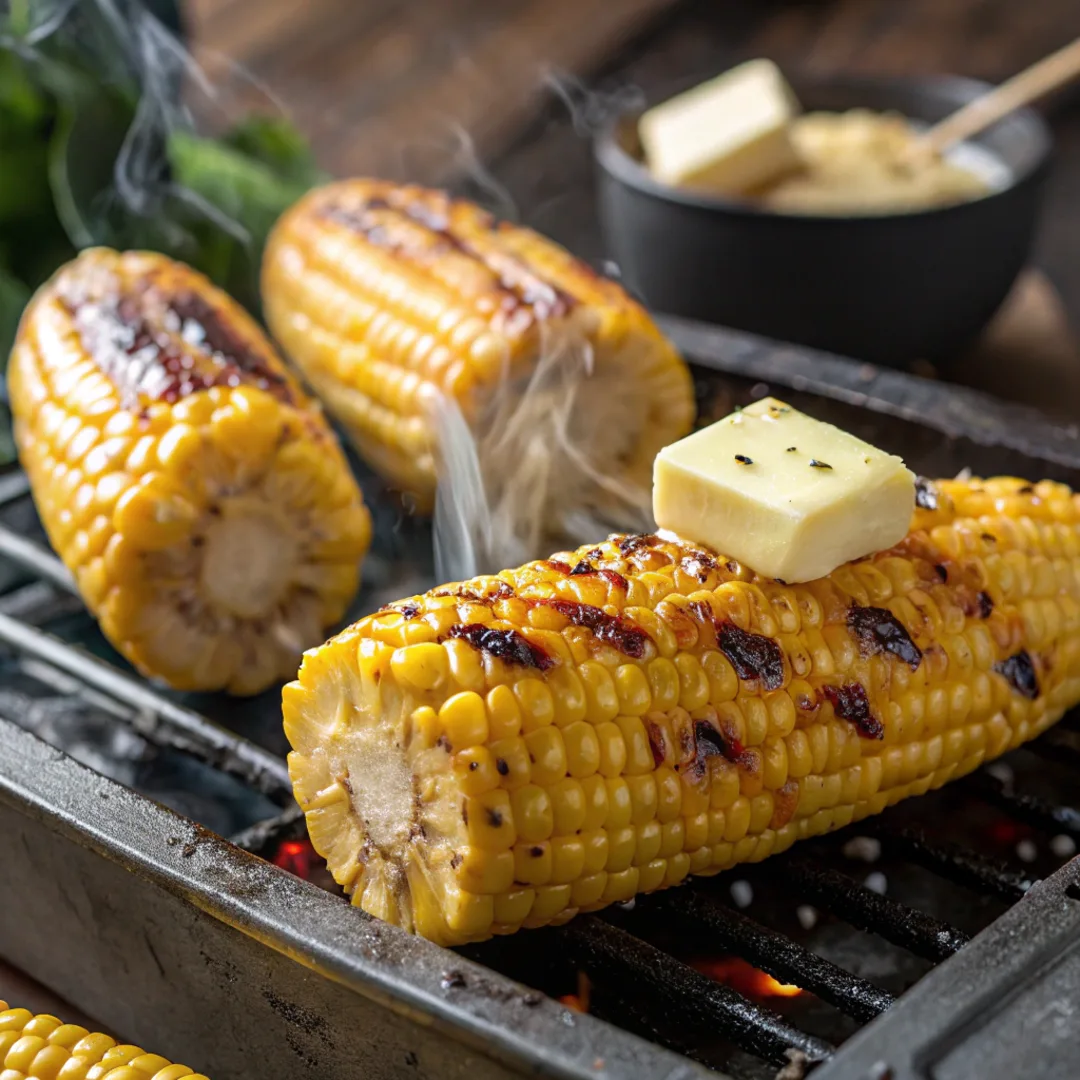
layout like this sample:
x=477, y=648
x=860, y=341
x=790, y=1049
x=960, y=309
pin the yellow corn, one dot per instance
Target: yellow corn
x=511, y=751
x=197, y=495
x=388, y=297
x=42, y=1048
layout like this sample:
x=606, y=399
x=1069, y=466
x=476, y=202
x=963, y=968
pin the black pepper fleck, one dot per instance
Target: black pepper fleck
x=742, y=459
x=792, y=449
x=815, y=464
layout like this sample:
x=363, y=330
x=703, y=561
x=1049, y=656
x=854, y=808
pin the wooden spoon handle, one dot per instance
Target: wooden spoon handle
x=1050, y=73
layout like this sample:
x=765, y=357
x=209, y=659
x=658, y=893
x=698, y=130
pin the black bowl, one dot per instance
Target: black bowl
x=889, y=288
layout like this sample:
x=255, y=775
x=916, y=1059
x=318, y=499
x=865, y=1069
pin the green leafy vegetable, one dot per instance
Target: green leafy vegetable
x=98, y=147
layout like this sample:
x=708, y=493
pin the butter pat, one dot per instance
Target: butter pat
x=729, y=135
x=788, y=496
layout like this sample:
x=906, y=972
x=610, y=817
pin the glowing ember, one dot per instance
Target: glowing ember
x=296, y=856
x=739, y=975
x=579, y=1002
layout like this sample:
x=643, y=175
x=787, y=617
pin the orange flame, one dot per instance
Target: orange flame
x=735, y=972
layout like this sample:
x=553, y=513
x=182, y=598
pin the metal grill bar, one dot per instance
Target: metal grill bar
x=915, y=931
x=155, y=717
x=35, y=559
x=1028, y=809
x=609, y=953
x=14, y=485
x=953, y=862
x=773, y=952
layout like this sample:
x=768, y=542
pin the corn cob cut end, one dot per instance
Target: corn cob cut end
x=43, y=1048
x=199, y=498
x=390, y=297
x=507, y=752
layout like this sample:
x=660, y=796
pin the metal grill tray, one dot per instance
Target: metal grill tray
x=176, y=937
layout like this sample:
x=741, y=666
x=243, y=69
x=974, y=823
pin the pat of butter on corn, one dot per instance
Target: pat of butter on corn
x=786, y=495
x=728, y=135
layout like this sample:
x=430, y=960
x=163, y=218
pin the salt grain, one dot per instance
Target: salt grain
x=877, y=882
x=1026, y=851
x=1064, y=847
x=742, y=892
x=863, y=848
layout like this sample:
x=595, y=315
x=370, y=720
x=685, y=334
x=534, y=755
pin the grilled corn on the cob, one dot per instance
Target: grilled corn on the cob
x=387, y=297
x=42, y=1048
x=516, y=749
x=197, y=495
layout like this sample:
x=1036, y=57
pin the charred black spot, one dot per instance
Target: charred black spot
x=456, y=860
x=523, y=290
x=613, y=630
x=708, y=742
x=473, y=766
x=501, y=767
x=657, y=742
x=926, y=495
x=507, y=645
x=536, y=851
x=1027, y=489
x=629, y=544
x=851, y=703
x=494, y=817
x=753, y=656
x=1019, y=672
x=878, y=630
x=165, y=347
x=613, y=578
x=443, y=743
x=988, y=538
x=409, y=611
x=986, y=604
x=942, y=571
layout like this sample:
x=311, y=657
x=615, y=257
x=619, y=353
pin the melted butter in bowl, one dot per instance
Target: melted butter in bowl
x=860, y=162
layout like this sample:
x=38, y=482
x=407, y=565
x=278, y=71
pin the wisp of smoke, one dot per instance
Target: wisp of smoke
x=518, y=477
x=126, y=44
x=590, y=109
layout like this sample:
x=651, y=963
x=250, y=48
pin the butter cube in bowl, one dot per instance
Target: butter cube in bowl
x=715, y=204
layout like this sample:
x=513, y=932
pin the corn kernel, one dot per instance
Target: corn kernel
x=582, y=749
x=533, y=814
x=547, y=752
x=568, y=806
x=537, y=705
x=489, y=821
x=464, y=719
x=532, y=863
x=639, y=755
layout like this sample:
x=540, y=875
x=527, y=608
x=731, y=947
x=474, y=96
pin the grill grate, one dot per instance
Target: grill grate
x=638, y=979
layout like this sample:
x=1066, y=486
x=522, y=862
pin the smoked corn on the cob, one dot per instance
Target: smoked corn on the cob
x=197, y=495
x=42, y=1048
x=387, y=297
x=512, y=750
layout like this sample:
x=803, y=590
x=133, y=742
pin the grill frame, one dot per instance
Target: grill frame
x=236, y=923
